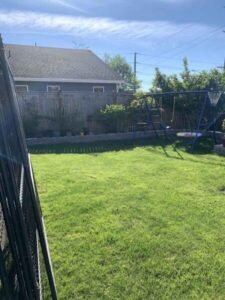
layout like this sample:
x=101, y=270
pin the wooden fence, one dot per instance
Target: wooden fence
x=47, y=113
x=69, y=113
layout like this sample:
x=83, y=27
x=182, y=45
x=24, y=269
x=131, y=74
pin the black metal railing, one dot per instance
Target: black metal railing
x=24, y=256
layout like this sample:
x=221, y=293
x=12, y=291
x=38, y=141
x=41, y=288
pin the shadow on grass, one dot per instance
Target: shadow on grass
x=94, y=147
x=203, y=147
x=172, y=149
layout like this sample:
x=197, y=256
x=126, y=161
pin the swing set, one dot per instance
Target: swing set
x=198, y=122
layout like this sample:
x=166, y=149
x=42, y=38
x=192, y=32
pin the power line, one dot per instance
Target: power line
x=178, y=59
x=192, y=44
x=145, y=65
x=222, y=67
x=160, y=66
x=171, y=35
x=147, y=72
x=160, y=56
x=182, y=48
x=198, y=42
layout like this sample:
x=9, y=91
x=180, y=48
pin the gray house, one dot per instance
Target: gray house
x=45, y=69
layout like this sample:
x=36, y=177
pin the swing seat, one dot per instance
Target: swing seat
x=189, y=134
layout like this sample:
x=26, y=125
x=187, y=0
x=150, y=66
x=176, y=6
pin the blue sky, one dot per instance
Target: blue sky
x=162, y=32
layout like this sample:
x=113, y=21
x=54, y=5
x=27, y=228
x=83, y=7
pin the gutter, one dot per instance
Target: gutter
x=68, y=80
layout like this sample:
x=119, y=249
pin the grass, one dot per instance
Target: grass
x=133, y=223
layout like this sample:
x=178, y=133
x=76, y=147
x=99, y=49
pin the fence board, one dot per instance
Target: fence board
x=47, y=109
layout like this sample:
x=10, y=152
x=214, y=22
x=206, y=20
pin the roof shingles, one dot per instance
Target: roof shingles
x=45, y=62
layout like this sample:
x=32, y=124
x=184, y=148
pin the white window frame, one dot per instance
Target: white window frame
x=98, y=87
x=22, y=85
x=53, y=86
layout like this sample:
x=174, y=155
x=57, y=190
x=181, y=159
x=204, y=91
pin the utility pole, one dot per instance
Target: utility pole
x=222, y=67
x=135, y=70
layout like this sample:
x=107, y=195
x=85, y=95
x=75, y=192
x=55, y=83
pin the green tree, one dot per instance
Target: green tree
x=187, y=80
x=119, y=65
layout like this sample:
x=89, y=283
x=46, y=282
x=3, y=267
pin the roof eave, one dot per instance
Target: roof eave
x=68, y=80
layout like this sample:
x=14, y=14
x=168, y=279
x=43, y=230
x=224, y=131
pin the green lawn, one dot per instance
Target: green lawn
x=135, y=223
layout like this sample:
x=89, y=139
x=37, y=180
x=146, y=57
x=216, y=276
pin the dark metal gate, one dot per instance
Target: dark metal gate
x=25, y=266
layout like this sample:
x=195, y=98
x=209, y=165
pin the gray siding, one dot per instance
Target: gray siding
x=67, y=87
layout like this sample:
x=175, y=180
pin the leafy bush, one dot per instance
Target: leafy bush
x=137, y=110
x=112, y=116
x=223, y=125
x=117, y=117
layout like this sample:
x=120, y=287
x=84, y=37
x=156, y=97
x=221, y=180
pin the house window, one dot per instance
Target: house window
x=98, y=89
x=53, y=88
x=21, y=88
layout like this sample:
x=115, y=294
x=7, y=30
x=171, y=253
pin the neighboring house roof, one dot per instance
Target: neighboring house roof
x=34, y=63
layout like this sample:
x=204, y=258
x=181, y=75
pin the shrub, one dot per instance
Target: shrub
x=112, y=117
x=137, y=110
x=223, y=126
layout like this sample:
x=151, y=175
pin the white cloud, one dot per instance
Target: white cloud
x=175, y=1
x=68, y=5
x=99, y=27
